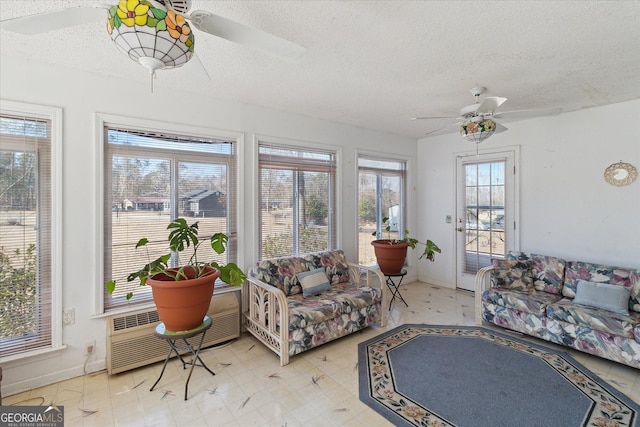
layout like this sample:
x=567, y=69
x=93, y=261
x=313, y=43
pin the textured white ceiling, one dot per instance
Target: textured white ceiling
x=376, y=64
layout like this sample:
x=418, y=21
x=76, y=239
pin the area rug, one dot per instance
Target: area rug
x=461, y=376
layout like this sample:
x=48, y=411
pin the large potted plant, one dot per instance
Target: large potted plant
x=391, y=253
x=182, y=294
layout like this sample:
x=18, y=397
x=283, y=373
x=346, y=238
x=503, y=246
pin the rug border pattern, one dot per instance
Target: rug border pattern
x=606, y=410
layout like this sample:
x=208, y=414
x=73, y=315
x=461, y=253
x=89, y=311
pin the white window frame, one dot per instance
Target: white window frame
x=104, y=119
x=54, y=115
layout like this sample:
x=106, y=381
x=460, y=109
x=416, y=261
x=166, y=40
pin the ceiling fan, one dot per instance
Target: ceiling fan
x=476, y=122
x=156, y=33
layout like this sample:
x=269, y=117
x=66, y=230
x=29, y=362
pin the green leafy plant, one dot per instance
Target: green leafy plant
x=181, y=236
x=430, y=248
x=18, y=292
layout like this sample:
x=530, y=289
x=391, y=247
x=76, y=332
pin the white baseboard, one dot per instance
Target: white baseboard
x=54, y=377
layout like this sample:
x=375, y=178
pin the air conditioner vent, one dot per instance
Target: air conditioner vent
x=134, y=320
x=131, y=342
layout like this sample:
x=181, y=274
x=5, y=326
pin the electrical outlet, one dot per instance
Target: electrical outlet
x=90, y=347
x=68, y=316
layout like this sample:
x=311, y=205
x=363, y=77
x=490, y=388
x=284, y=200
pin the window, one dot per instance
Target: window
x=152, y=178
x=380, y=194
x=28, y=282
x=297, y=200
x=484, y=191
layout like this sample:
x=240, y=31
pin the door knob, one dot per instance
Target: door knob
x=459, y=229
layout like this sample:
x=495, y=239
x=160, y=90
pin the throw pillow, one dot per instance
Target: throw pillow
x=606, y=296
x=313, y=282
x=514, y=275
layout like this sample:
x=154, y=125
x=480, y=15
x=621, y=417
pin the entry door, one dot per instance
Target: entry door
x=485, y=222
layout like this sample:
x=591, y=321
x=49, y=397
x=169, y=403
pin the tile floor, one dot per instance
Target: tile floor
x=250, y=388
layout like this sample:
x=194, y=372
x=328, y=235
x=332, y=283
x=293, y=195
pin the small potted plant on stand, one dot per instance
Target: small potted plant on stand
x=391, y=253
x=182, y=294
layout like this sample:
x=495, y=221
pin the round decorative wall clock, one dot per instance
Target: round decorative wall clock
x=620, y=174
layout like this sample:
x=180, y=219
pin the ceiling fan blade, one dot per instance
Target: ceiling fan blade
x=445, y=130
x=198, y=69
x=241, y=34
x=49, y=21
x=489, y=104
x=526, y=114
x=500, y=128
x=432, y=117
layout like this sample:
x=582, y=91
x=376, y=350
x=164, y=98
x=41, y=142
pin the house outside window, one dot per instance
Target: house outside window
x=152, y=178
x=30, y=320
x=297, y=200
x=381, y=194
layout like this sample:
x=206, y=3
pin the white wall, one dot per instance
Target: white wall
x=81, y=96
x=566, y=207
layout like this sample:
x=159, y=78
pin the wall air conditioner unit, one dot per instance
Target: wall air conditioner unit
x=131, y=342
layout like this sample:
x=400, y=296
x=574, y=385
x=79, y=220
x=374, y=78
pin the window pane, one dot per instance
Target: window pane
x=484, y=174
x=25, y=235
x=367, y=216
x=314, y=212
x=297, y=188
x=380, y=194
x=276, y=199
x=140, y=208
x=202, y=190
x=484, y=199
x=390, y=195
x=164, y=142
x=380, y=164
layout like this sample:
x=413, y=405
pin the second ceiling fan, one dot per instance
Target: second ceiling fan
x=476, y=122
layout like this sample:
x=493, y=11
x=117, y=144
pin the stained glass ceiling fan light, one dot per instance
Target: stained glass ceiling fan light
x=477, y=129
x=154, y=37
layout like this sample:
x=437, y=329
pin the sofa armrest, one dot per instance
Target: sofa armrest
x=262, y=303
x=357, y=271
x=483, y=282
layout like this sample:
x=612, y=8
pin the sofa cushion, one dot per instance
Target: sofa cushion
x=313, y=282
x=340, y=299
x=626, y=277
x=608, y=297
x=512, y=274
x=334, y=263
x=636, y=333
x=594, y=318
x=529, y=302
x=281, y=273
x=548, y=271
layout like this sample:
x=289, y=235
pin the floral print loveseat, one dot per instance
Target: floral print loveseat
x=545, y=306
x=276, y=311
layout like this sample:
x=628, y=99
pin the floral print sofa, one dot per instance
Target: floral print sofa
x=545, y=307
x=276, y=311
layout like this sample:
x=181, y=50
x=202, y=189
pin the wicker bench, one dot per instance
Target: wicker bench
x=276, y=311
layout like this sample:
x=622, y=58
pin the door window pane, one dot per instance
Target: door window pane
x=484, y=228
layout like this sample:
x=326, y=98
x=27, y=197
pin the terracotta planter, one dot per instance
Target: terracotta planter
x=183, y=304
x=390, y=256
